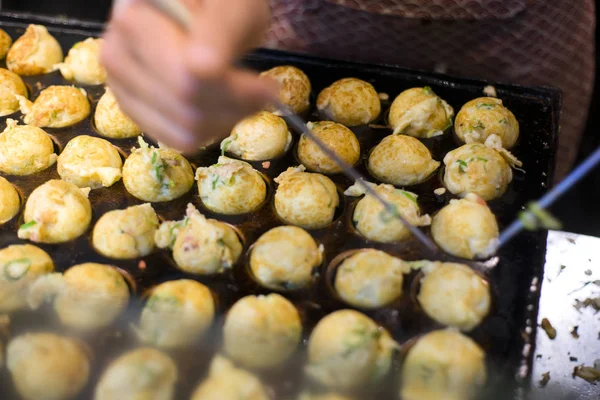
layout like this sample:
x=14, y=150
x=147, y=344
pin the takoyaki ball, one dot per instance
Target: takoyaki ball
x=284, y=258
x=347, y=349
x=226, y=382
x=375, y=223
x=25, y=149
x=144, y=373
x=56, y=107
x=110, y=120
x=156, y=174
x=475, y=168
x=338, y=138
x=231, y=187
x=5, y=43
x=402, y=161
x=128, y=233
x=443, y=365
x=350, y=102
x=420, y=113
x=294, y=87
x=262, y=136
x=20, y=266
x=82, y=63
x=262, y=331
x=176, y=314
x=11, y=84
x=200, y=246
x=56, y=212
x=34, y=53
x=454, y=295
x=465, y=228
x=485, y=116
x=369, y=279
x=88, y=161
x=45, y=366
x=87, y=297
x=305, y=199
x=10, y=202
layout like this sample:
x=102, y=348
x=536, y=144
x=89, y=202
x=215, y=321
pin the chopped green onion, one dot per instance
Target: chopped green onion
x=479, y=125
x=482, y=159
x=503, y=121
x=428, y=90
x=408, y=195
x=448, y=125
x=17, y=269
x=28, y=225
x=215, y=182
x=486, y=106
x=534, y=217
x=160, y=301
x=387, y=216
x=226, y=143
x=462, y=165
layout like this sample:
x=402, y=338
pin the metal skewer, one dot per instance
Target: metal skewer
x=549, y=198
x=179, y=13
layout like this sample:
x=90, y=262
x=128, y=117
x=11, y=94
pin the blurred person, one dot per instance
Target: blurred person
x=183, y=89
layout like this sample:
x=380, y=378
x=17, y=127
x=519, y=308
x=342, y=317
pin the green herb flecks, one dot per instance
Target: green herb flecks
x=226, y=143
x=426, y=373
x=386, y=216
x=408, y=195
x=462, y=165
x=503, y=121
x=482, y=159
x=159, y=170
x=479, y=125
x=16, y=269
x=486, y=106
x=161, y=303
x=535, y=217
x=28, y=225
x=177, y=225
x=448, y=124
x=428, y=91
x=359, y=338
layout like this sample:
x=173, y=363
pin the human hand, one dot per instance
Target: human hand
x=181, y=87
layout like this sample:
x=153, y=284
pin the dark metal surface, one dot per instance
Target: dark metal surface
x=507, y=335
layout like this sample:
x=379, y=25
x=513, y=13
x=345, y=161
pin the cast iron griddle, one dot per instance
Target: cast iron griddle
x=507, y=335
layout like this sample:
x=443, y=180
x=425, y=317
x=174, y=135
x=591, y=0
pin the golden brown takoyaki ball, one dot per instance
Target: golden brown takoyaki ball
x=25, y=149
x=262, y=331
x=375, y=223
x=465, y=228
x=176, y=314
x=420, y=113
x=443, y=365
x=347, y=349
x=141, y=374
x=294, y=87
x=261, y=136
x=335, y=136
x=454, y=295
x=5, y=43
x=226, y=382
x=11, y=84
x=10, y=202
x=350, y=101
x=56, y=107
x=82, y=63
x=110, y=120
x=285, y=257
x=87, y=297
x=88, y=161
x=56, y=212
x=369, y=278
x=127, y=233
x=475, y=168
x=231, y=187
x=402, y=161
x=305, y=199
x=34, y=53
x=20, y=266
x=45, y=366
x=485, y=116
x=200, y=246
x=156, y=174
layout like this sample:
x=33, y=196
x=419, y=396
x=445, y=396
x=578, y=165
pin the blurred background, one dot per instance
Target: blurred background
x=575, y=210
